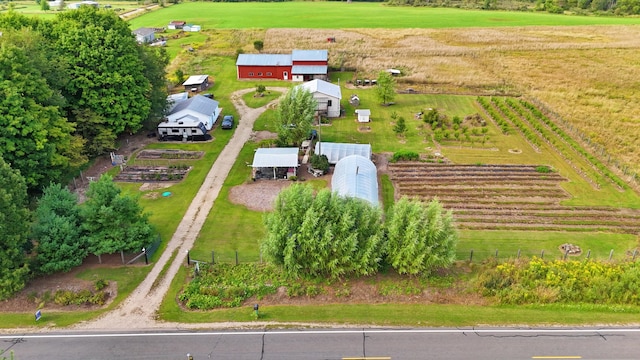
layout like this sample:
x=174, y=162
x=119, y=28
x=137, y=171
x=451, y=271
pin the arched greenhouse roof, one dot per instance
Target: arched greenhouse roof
x=336, y=151
x=356, y=176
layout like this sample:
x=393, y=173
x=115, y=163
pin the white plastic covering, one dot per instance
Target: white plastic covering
x=275, y=157
x=336, y=151
x=356, y=176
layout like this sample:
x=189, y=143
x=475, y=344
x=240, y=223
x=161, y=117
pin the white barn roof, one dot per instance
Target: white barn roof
x=275, y=157
x=322, y=87
x=336, y=151
x=356, y=176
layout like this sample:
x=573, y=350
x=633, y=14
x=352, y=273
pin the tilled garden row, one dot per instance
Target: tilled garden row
x=500, y=197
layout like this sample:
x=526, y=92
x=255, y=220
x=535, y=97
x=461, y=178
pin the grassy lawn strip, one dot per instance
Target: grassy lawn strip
x=128, y=278
x=255, y=102
x=332, y=15
x=531, y=243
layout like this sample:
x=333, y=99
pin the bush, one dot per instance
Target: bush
x=100, y=284
x=405, y=156
x=320, y=162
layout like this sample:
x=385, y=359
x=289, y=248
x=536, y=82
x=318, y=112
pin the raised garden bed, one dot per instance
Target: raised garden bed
x=153, y=173
x=169, y=154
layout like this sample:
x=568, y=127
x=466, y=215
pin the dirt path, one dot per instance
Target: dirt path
x=138, y=311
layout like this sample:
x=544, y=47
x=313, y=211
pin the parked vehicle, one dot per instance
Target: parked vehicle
x=227, y=122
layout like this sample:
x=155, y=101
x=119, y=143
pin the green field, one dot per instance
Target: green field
x=342, y=15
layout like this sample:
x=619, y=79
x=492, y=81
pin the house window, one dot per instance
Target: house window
x=193, y=131
x=259, y=74
x=329, y=103
x=175, y=131
x=269, y=74
x=251, y=74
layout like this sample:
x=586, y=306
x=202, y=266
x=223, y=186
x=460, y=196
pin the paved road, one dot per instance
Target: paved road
x=138, y=311
x=409, y=344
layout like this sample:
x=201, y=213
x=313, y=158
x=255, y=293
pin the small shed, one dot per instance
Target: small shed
x=275, y=163
x=196, y=83
x=192, y=28
x=336, y=151
x=363, y=115
x=356, y=176
x=144, y=35
x=176, y=24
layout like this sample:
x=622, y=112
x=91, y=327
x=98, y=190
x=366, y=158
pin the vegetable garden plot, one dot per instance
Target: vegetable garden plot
x=169, y=154
x=152, y=173
x=514, y=197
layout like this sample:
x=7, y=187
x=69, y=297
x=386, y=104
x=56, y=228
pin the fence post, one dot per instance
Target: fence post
x=542, y=254
x=236, y=257
x=635, y=252
x=471, y=256
x=589, y=253
x=518, y=253
x=566, y=253
x=496, y=254
x=213, y=257
x=188, y=258
x=610, y=254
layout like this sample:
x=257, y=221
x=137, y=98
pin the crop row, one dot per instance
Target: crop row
x=577, y=147
x=493, y=114
x=541, y=128
x=531, y=137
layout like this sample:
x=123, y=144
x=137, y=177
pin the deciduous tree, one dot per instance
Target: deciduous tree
x=113, y=221
x=386, y=88
x=420, y=237
x=295, y=116
x=14, y=231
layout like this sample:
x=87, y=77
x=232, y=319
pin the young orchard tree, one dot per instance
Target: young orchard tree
x=14, y=231
x=258, y=45
x=386, y=88
x=57, y=231
x=295, y=116
x=326, y=236
x=113, y=221
x=400, y=128
x=420, y=237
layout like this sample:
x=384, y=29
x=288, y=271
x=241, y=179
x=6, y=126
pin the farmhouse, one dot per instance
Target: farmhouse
x=196, y=83
x=300, y=65
x=356, y=176
x=144, y=35
x=275, y=163
x=363, y=115
x=337, y=151
x=327, y=95
x=194, y=110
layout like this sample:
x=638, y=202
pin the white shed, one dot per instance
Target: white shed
x=356, y=176
x=276, y=163
x=336, y=151
x=363, y=115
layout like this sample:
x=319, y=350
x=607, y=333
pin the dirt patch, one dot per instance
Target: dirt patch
x=258, y=195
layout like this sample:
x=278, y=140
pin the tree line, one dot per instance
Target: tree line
x=70, y=86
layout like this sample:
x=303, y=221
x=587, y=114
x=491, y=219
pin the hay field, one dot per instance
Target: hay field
x=588, y=75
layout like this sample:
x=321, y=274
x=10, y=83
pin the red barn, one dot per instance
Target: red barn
x=300, y=65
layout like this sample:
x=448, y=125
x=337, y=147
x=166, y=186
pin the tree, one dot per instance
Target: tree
x=155, y=60
x=295, y=115
x=44, y=5
x=386, y=89
x=14, y=231
x=400, y=128
x=420, y=237
x=320, y=162
x=258, y=45
x=179, y=74
x=57, y=231
x=105, y=68
x=328, y=235
x=260, y=89
x=34, y=136
x=113, y=221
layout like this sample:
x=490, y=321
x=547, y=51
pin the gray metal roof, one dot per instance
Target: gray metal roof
x=195, y=80
x=323, y=87
x=337, y=151
x=198, y=103
x=263, y=60
x=309, y=55
x=275, y=157
x=356, y=176
x=309, y=69
x=363, y=112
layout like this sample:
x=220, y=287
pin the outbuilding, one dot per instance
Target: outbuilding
x=144, y=35
x=300, y=65
x=198, y=108
x=326, y=94
x=356, y=176
x=337, y=151
x=363, y=115
x=275, y=163
x=196, y=83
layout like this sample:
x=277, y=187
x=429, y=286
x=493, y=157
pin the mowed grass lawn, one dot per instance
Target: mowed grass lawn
x=342, y=15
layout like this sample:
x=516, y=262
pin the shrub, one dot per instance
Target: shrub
x=320, y=162
x=405, y=155
x=100, y=284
